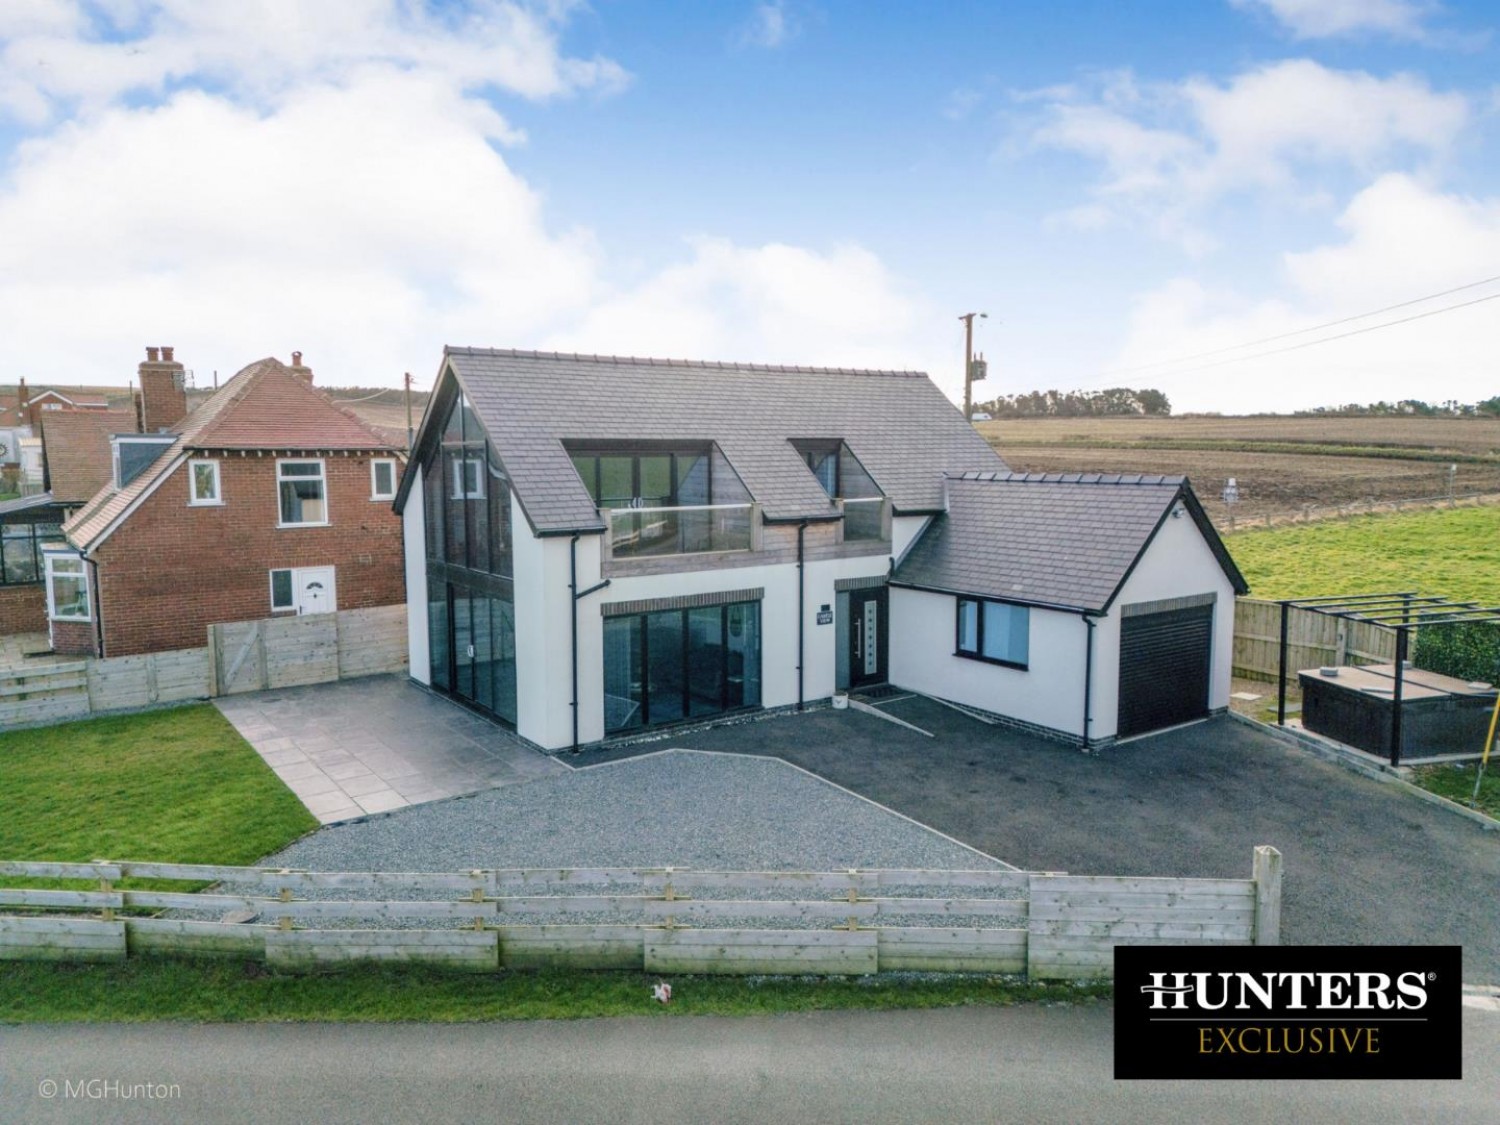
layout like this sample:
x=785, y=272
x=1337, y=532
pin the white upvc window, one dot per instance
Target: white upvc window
x=468, y=478
x=283, y=591
x=67, y=588
x=383, y=479
x=203, y=484
x=303, y=488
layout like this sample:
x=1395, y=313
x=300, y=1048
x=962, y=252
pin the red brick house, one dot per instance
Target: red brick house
x=267, y=499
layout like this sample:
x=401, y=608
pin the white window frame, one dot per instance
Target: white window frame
x=460, y=465
x=322, y=478
x=88, y=590
x=292, y=577
x=375, y=493
x=218, y=498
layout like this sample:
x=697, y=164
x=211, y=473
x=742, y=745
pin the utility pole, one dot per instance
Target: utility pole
x=408, y=414
x=968, y=319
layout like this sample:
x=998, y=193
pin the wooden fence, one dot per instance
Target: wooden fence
x=278, y=652
x=1313, y=640
x=1049, y=926
x=242, y=656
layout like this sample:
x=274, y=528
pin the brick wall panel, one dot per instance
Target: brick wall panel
x=171, y=570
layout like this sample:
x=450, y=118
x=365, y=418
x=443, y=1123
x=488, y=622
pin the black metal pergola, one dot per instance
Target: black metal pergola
x=1401, y=613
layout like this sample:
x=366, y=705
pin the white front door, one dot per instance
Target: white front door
x=315, y=590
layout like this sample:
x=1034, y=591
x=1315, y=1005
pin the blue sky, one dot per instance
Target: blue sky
x=1118, y=185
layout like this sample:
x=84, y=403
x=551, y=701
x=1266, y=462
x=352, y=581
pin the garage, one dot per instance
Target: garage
x=1166, y=656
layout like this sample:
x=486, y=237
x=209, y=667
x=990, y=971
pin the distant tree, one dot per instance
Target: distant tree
x=1153, y=401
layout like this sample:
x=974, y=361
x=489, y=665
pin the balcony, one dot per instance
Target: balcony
x=865, y=520
x=639, y=533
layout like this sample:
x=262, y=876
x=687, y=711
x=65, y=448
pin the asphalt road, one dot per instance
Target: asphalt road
x=1365, y=864
x=957, y=1065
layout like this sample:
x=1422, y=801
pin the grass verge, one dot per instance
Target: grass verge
x=237, y=992
x=177, y=786
x=1454, y=552
x=1456, y=782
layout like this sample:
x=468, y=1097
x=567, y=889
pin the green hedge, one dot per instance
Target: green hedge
x=1467, y=652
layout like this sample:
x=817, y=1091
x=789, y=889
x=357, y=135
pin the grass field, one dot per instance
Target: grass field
x=233, y=991
x=1455, y=553
x=175, y=786
x=1284, y=465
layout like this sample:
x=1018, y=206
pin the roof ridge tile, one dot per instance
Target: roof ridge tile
x=696, y=364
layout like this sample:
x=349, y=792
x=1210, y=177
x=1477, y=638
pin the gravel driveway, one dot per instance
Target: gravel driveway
x=677, y=808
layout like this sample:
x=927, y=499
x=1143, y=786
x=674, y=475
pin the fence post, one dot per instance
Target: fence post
x=1266, y=871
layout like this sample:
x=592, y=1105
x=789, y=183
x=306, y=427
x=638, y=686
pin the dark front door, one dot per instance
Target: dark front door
x=867, y=633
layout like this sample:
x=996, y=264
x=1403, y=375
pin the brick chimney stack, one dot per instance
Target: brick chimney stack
x=299, y=369
x=163, y=393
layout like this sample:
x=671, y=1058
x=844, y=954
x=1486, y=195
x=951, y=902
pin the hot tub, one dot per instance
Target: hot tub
x=1439, y=714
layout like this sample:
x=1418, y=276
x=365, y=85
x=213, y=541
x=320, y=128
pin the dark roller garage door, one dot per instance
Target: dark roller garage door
x=1164, y=662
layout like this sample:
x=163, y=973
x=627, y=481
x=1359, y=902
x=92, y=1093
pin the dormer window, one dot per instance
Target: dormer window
x=848, y=485
x=823, y=462
x=130, y=454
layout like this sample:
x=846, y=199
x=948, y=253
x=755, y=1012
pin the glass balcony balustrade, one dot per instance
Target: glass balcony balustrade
x=649, y=532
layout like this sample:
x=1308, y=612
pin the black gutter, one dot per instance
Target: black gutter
x=577, y=596
x=1088, y=676
x=801, y=609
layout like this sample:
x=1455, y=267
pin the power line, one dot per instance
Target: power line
x=1355, y=332
x=1315, y=328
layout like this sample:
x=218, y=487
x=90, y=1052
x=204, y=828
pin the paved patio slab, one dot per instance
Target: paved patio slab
x=378, y=743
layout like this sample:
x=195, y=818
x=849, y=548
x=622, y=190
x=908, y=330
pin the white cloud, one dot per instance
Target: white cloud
x=260, y=49
x=1169, y=150
x=1319, y=19
x=772, y=303
x=768, y=26
x=1401, y=239
x=367, y=224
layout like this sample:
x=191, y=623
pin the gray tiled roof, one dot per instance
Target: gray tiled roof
x=1062, y=539
x=901, y=427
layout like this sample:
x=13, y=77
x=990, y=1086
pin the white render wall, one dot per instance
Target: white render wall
x=1048, y=693
x=414, y=533
x=1179, y=563
x=544, y=651
x=543, y=629
x=905, y=529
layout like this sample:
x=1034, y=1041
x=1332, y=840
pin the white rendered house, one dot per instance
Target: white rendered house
x=598, y=546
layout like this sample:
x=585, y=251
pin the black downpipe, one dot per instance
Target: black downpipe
x=97, y=595
x=801, y=609
x=1088, y=677
x=573, y=598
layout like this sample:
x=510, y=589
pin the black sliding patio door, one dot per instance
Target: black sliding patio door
x=679, y=664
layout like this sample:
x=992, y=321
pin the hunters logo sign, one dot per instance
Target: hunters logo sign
x=1311, y=1011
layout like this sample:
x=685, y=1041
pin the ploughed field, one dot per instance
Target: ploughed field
x=1284, y=465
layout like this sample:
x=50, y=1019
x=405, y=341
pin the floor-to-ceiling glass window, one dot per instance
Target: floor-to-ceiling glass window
x=471, y=599
x=678, y=664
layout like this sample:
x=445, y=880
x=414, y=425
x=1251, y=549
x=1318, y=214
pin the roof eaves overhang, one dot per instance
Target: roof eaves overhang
x=1057, y=607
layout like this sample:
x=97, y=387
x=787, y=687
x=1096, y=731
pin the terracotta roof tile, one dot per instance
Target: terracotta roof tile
x=76, y=446
x=265, y=406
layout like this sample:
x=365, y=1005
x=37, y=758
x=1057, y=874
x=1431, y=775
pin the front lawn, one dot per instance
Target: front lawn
x=235, y=991
x=1454, y=552
x=1456, y=782
x=178, y=786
